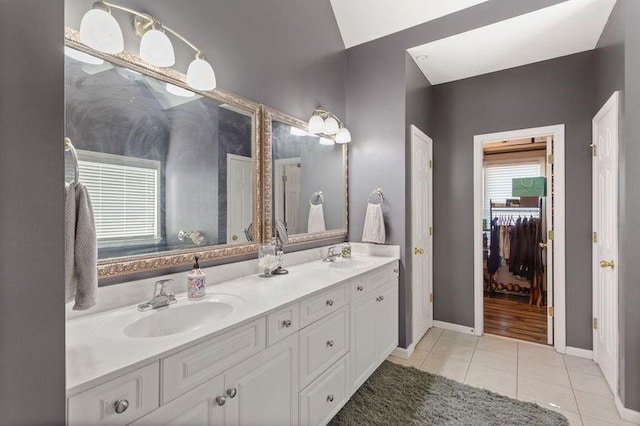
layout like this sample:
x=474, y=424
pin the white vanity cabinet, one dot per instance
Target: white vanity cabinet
x=374, y=326
x=296, y=364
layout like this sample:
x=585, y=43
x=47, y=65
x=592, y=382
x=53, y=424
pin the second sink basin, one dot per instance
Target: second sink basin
x=182, y=317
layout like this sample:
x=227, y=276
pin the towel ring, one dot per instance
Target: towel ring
x=68, y=146
x=376, y=196
x=317, y=198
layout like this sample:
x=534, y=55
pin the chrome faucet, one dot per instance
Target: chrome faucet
x=160, y=297
x=331, y=255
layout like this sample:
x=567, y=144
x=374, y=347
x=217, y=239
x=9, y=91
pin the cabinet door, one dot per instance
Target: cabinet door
x=203, y=406
x=387, y=319
x=265, y=387
x=364, y=351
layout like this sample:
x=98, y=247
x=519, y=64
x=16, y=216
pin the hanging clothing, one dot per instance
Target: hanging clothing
x=493, y=263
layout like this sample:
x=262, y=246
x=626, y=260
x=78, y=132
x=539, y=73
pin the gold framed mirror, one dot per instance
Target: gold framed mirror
x=172, y=172
x=305, y=181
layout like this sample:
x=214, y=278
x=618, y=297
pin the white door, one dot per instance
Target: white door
x=265, y=387
x=202, y=406
x=548, y=217
x=422, y=230
x=363, y=338
x=239, y=197
x=386, y=319
x=605, y=247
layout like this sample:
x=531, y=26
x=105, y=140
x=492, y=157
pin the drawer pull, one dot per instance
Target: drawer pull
x=330, y=398
x=221, y=400
x=330, y=343
x=232, y=392
x=121, y=406
x=286, y=323
x=359, y=288
x=329, y=302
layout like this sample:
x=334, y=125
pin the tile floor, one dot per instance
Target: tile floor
x=569, y=385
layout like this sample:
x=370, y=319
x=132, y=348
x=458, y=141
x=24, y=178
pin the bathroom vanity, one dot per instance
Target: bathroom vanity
x=290, y=349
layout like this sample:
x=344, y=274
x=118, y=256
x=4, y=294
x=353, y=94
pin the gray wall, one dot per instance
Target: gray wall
x=287, y=54
x=559, y=91
x=375, y=110
x=32, y=361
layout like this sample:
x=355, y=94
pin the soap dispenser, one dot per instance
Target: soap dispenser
x=196, y=282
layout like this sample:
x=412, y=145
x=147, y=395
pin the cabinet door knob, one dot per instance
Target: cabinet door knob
x=329, y=302
x=330, y=343
x=221, y=400
x=286, y=323
x=121, y=406
x=359, y=288
x=330, y=398
x=381, y=298
x=232, y=392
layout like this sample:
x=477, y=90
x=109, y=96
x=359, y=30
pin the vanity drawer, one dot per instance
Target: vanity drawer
x=283, y=323
x=136, y=393
x=364, y=284
x=322, y=344
x=191, y=367
x=322, y=304
x=326, y=395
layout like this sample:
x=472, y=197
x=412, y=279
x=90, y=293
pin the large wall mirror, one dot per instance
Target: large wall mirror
x=308, y=180
x=171, y=172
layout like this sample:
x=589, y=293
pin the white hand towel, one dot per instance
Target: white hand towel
x=81, y=249
x=373, y=225
x=316, y=219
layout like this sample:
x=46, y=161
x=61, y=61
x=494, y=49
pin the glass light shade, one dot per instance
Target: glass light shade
x=99, y=30
x=331, y=126
x=343, y=135
x=327, y=141
x=316, y=124
x=156, y=49
x=179, y=91
x=82, y=57
x=200, y=75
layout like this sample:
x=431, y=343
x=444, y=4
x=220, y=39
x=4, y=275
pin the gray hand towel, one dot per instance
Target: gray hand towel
x=81, y=249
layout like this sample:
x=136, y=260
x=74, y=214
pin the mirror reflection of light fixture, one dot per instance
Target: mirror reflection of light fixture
x=179, y=91
x=100, y=31
x=329, y=127
x=82, y=57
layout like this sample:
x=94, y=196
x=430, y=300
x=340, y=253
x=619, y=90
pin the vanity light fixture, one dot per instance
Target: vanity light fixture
x=329, y=127
x=100, y=30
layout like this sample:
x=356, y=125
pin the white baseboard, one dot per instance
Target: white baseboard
x=626, y=413
x=582, y=353
x=454, y=327
x=403, y=353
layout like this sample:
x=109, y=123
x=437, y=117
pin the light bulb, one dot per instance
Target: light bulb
x=343, y=135
x=200, y=74
x=179, y=91
x=327, y=141
x=331, y=126
x=99, y=30
x=82, y=57
x=316, y=124
x=156, y=49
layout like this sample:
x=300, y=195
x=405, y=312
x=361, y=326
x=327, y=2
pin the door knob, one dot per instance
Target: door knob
x=607, y=264
x=417, y=250
x=543, y=245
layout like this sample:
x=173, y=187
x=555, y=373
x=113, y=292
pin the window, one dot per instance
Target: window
x=498, y=179
x=125, y=194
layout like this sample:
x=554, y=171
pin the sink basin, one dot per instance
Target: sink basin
x=182, y=317
x=349, y=264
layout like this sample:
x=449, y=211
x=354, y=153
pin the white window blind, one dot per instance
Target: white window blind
x=124, y=193
x=498, y=180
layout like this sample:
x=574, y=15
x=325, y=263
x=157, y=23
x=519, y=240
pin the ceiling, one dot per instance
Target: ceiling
x=563, y=29
x=361, y=21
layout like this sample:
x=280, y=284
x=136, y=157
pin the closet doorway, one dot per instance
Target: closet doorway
x=519, y=241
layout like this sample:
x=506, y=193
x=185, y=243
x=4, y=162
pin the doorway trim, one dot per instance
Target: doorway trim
x=559, y=275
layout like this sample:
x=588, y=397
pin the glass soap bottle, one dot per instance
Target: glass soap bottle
x=196, y=282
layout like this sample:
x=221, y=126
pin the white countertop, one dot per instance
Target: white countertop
x=93, y=358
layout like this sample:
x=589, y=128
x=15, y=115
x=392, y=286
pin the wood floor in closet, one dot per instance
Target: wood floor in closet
x=515, y=319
